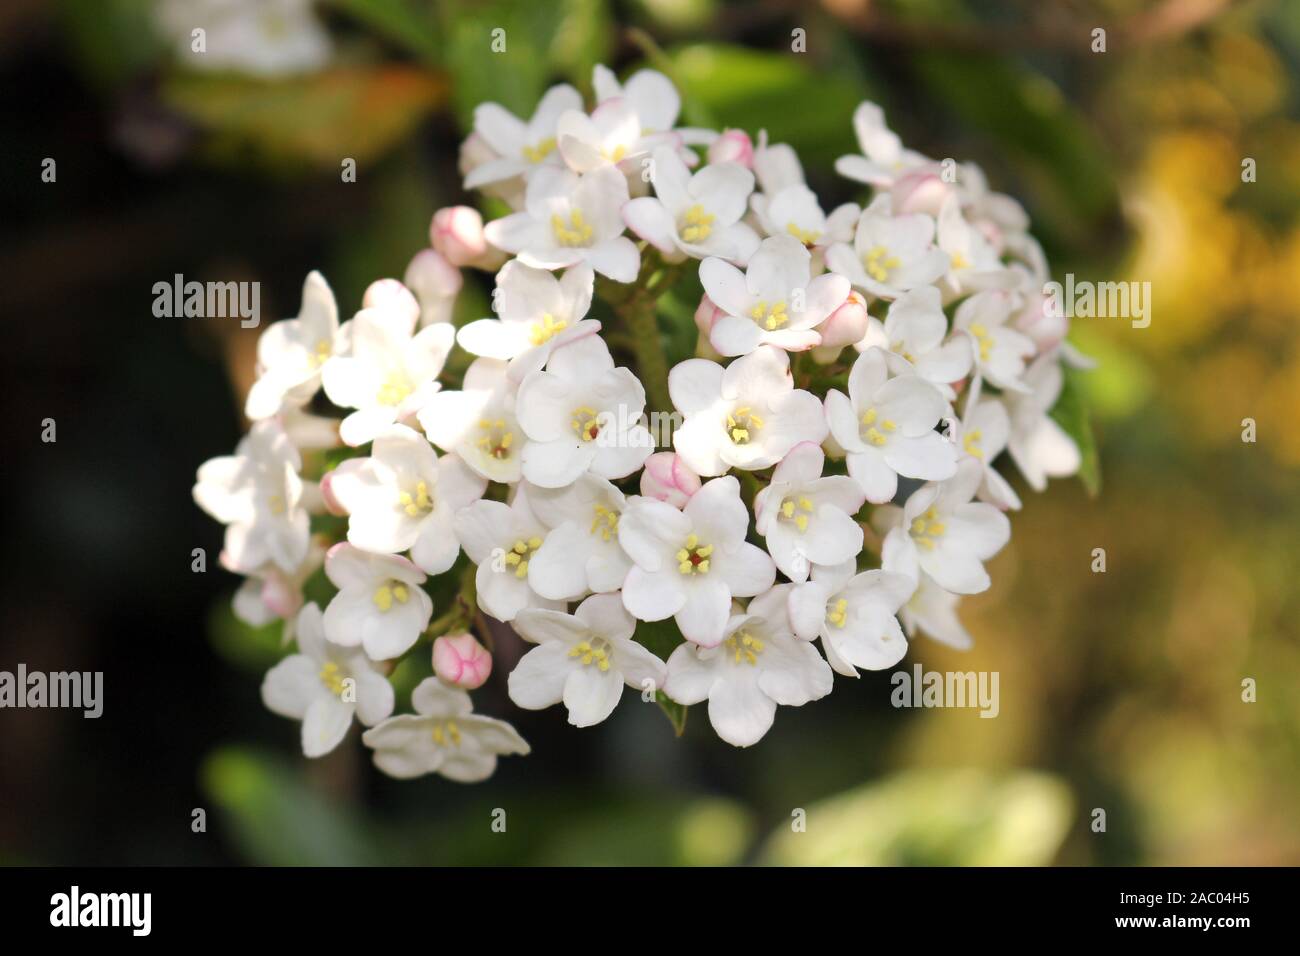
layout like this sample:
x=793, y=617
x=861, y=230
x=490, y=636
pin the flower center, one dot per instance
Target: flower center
x=519, y=553
x=322, y=352
x=276, y=504
x=614, y=155
x=797, y=509
x=496, y=438
x=545, y=328
x=697, y=224
x=744, y=646
x=585, y=423
x=971, y=443
x=575, y=232
x=417, y=504
x=808, y=237
x=874, y=431
x=742, y=423
x=395, y=389
x=605, y=522
x=332, y=676
x=387, y=593
x=958, y=261
x=878, y=262
x=983, y=339
x=770, y=318
x=694, y=557
x=445, y=733
x=838, y=612
x=595, y=650
x=544, y=148
x=927, y=529
x=900, y=348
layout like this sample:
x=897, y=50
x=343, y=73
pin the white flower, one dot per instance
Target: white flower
x=537, y=312
x=263, y=38
x=388, y=375
x=689, y=564
x=478, y=422
x=443, y=736
x=983, y=436
x=568, y=219
x=973, y=263
x=807, y=518
x=694, y=215
x=610, y=136
x=257, y=494
x=581, y=552
x=1039, y=446
x=886, y=427
x=653, y=98
x=775, y=302
x=748, y=415
x=324, y=685
x=403, y=498
x=290, y=353
x=269, y=594
x=883, y=157
x=949, y=535
x=582, y=659
x=434, y=282
x=502, y=540
x=890, y=254
x=999, y=350
x=915, y=328
x=380, y=604
x=930, y=609
x=758, y=665
x=786, y=206
x=853, y=614
x=521, y=148
x=582, y=414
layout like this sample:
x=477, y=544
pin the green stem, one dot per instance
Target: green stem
x=638, y=313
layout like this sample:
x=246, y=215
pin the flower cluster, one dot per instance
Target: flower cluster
x=829, y=477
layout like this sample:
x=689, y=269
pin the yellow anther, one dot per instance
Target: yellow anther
x=839, y=613
x=696, y=225
x=605, y=523
x=744, y=648
x=958, y=261
x=496, y=441
x=575, y=232
x=801, y=522
x=324, y=349
x=417, y=504
x=983, y=339
x=535, y=154
x=693, y=558
x=808, y=237
x=546, y=327
x=770, y=318
x=519, y=553
x=446, y=733
x=927, y=529
x=869, y=417
x=971, y=443
x=741, y=424
x=874, y=436
x=787, y=508
x=595, y=651
x=616, y=154
x=331, y=675
x=276, y=504
x=878, y=262
x=585, y=424
x=383, y=597
x=395, y=389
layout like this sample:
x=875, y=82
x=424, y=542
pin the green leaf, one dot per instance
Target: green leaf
x=660, y=638
x=319, y=119
x=1072, y=414
x=405, y=22
x=933, y=818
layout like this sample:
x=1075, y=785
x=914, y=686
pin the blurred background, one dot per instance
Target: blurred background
x=1120, y=691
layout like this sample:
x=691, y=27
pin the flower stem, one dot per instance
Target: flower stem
x=638, y=313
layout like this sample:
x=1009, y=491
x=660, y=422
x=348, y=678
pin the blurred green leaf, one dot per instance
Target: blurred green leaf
x=252, y=649
x=318, y=119
x=111, y=40
x=277, y=820
x=933, y=818
x=660, y=638
x=751, y=90
x=408, y=23
x=661, y=832
x=1071, y=413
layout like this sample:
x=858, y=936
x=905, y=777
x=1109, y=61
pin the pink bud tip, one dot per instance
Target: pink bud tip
x=462, y=661
x=706, y=313
x=733, y=146
x=847, y=324
x=667, y=479
x=457, y=233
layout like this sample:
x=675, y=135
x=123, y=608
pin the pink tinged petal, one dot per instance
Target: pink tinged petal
x=695, y=385
x=690, y=677
x=732, y=336
x=492, y=338
x=538, y=680
x=556, y=464
x=436, y=548
x=325, y=725
x=953, y=570
x=638, y=665
x=375, y=699
x=978, y=528
x=724, y=284
x=949, y=363
x=869, y=469
x=837, y=491
x=842, y=422
x=291, y=686
x=930, y=457
x=516, y=232
x=648, y=218
x=717, y=513
x=699, y=442
x=748, y=570
x=740, y=712
x=725, y=188
x=807, y=607
x=500, y=593
x=591, y=695
x=556, y=570
x=871, y=641
x=650, y=531
x=794, y=673
x=702, y=618
x=867, y=376
x=482, y=527
x=653, y=595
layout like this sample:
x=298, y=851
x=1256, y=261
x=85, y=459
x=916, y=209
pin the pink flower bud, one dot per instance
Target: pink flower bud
x=847, y=324
x=460, y=660
x=706, y=314
x=733, y=146
x=667, y=479
x=332, y=504
x=457, y=233
x=391, y=296
x=919, y=191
